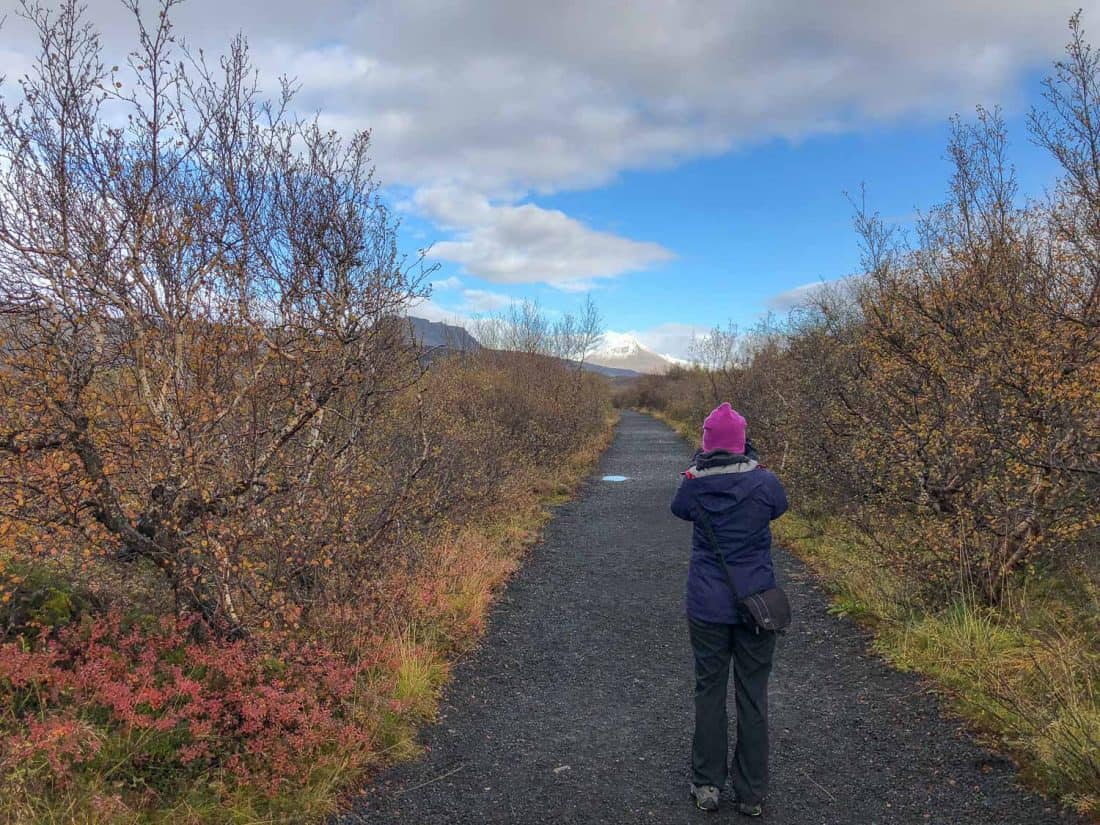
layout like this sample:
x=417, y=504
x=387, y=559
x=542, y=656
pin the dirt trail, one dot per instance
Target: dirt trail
x=577, y=706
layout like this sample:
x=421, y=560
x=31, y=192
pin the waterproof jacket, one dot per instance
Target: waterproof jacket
x=741, y=499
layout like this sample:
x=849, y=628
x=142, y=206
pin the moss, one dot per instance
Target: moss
x=38, y=596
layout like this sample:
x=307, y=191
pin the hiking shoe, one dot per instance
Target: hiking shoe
x=705, y=796
x=745, y=809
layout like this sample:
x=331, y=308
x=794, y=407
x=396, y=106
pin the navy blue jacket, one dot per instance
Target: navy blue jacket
x=741, y=499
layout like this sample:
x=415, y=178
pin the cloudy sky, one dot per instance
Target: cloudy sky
x=684, y=161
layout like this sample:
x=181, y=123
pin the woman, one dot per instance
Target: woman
x=738, y=498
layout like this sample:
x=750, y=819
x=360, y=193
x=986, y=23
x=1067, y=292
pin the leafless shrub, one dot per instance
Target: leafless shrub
x=198, y=292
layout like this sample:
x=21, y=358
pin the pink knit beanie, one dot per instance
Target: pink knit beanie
x=724, y=429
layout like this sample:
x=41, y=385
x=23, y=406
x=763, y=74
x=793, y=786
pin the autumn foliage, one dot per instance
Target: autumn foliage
x=937, y=421
x=946, y=399
x=114, y=694
x=243, y=515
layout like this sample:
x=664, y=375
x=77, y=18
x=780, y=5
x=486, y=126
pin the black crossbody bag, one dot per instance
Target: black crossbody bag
x=769, y=608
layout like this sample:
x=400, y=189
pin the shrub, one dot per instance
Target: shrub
x=245, y=516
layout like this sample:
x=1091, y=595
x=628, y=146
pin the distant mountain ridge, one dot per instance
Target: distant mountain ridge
x=438, y=335
x=614, y=363
x=623, y=351
x=610, y=372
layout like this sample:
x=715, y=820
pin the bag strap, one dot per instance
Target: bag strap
x=708, y=528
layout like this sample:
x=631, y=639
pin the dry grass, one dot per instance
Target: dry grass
x=467, y=572
x=691, y=432
x=1026, y=675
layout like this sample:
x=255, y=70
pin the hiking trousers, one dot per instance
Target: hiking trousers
x=715, y=646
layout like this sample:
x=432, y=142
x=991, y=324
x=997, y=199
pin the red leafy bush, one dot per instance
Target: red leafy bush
x=183, y=707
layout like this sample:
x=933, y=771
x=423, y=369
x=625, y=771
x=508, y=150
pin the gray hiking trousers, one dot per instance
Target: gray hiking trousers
x=715, y=645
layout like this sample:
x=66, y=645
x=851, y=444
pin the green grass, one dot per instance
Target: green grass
x=1025, y=675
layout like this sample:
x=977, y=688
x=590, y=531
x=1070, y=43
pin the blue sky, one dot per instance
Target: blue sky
x=682, y=160
x=751, y=224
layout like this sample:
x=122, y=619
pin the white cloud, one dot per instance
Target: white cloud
x=473, y=303
x=800, y=296
x=524, y=244
x=13, y=64
x=506, y=97
x=794, y=298
x=482, y=301
x=432, y=311
x=503, y=98
x=447, y=283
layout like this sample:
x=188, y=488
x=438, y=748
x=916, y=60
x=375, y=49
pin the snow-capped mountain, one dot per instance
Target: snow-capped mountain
x=621, y=350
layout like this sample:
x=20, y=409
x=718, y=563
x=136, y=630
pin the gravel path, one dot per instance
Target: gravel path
x=577, y=706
